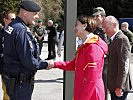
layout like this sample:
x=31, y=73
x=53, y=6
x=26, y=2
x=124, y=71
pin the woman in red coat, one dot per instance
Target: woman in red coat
x=88, y=63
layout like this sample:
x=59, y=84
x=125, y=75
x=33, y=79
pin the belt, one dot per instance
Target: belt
x=21, y=77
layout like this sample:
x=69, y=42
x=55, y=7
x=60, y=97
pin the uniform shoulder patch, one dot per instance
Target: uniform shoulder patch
x=9, y=29
x=31, y=45
x=28, y=29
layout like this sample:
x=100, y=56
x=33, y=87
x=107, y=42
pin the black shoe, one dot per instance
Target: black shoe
x=49, y=58
x=53, y=57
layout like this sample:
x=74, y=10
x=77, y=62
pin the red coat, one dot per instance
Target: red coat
x=88, y=66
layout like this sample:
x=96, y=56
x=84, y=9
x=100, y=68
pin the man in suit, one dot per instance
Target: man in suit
x=118, y=76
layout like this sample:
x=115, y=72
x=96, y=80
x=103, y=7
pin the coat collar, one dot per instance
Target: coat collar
x=93, y=39
x=118, y=35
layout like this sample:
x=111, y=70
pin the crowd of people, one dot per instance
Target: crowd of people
x=101, y=63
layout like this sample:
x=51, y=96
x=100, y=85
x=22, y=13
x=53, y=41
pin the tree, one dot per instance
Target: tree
x=8, y=5
x=117, y=8
x=52, y=9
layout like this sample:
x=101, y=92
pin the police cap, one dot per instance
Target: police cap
x=99, y=11
x=30, y=6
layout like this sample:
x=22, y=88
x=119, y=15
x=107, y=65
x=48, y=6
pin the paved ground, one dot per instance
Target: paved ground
x=49, y=84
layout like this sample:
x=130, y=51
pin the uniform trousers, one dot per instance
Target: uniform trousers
x=51, y=48
x=21, y=90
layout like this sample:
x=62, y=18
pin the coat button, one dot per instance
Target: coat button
x=84, y=79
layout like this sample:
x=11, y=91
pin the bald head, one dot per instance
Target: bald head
x=28, y=17
x=112, y=20
x=110, y=25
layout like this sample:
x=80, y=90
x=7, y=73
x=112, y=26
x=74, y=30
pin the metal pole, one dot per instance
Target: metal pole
x=70, y=46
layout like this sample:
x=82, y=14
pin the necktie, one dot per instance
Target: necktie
x=110, y=42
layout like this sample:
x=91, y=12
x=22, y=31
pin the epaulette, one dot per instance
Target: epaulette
x=9, y=29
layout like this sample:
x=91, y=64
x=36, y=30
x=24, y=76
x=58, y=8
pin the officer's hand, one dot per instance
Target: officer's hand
x=50, y=64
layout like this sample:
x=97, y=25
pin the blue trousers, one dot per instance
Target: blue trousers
x=20, y=91
x=114, y=97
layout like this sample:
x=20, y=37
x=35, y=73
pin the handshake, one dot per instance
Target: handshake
x=50, y=64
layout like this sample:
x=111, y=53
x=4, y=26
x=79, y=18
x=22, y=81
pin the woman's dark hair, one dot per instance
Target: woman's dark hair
x=90, y=21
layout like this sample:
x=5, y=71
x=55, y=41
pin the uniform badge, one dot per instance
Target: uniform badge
x=9, y=29
x=28, y=29
x=31, y=45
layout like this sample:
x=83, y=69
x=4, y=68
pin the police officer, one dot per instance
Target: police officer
x=21, y=53
x=39, y=32
x=7, y=17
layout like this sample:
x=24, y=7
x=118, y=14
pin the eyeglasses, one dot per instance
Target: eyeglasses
x=12, y=19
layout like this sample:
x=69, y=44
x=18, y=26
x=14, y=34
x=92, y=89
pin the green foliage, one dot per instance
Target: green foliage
x=117, y=8
x=126, y=7
x=9, y=5
x=52, y=9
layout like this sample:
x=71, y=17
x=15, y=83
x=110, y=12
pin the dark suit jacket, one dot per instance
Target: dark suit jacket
x=118, y=75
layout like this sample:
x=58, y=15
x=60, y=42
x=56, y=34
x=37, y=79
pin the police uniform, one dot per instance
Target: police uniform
x=21, y=57
x=40, y=31
x=5, y=96
x=1, y=50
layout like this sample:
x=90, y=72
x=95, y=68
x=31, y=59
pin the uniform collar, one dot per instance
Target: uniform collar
x=21, y=20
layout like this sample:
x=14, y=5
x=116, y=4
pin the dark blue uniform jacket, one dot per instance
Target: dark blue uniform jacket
x=21, y=54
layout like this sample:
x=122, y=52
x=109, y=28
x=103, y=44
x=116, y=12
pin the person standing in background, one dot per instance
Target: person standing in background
x=99, y=15
x=118, y=75
x=7, y=17
x=51, y=40
x=39, y=32
x=60, y=43
x=127, y=32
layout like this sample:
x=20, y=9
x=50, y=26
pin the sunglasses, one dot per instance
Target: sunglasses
x=12, y=19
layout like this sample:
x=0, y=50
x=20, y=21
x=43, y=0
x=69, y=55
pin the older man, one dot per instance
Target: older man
x=119, y=83
x=21, y=53
x=127, y=32
x=51, y=40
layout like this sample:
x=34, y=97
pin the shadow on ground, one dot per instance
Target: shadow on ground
x=59, y=80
